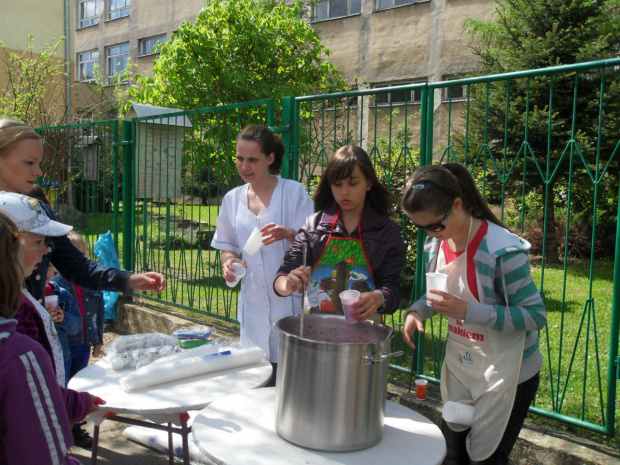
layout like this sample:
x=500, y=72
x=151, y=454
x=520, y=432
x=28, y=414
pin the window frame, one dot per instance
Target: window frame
x=81, y=62
x=392, y=5
x=88, y=21
x=120, y=12
x=328, y=13
x=414, y=97
x=446, y=91
x=110, y=76
x=142, y=44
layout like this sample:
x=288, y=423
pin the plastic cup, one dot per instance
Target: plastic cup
x=239, y=273
x=254, y=242
x=348, y=299
x=51, y=301
x=437, y=281
x=459, y=413
x=420, y=388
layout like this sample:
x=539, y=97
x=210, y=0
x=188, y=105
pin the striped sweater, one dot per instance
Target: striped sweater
x=509, y=299
x=34, y=427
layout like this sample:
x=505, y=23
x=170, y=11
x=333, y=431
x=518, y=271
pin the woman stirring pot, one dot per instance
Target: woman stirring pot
x=493, y=307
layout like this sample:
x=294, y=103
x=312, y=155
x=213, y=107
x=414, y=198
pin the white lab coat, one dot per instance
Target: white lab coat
x=259, y=307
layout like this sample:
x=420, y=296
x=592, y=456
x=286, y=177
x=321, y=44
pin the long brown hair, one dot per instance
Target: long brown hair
x=11, y=273
x=434, y=187
x=341, y=166
x=13, y=131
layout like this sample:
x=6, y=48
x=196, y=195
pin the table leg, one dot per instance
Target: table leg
x=185, y=437
x=170, y=445
x=93, y=456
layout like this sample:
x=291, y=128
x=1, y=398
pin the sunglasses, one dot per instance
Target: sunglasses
x=437, y=226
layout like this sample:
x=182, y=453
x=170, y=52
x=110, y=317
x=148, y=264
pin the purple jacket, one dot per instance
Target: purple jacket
x=383, y=243
x=29, y=324
x=34, y=427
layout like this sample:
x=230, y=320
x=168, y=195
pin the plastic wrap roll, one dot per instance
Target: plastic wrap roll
x=152, y=375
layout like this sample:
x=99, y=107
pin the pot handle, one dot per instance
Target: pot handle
x=370, y=359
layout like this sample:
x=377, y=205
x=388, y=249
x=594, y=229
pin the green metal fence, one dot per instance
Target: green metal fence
x=542, y=144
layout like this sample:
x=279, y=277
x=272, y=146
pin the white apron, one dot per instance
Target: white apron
x=52, y=336
x=481, y=367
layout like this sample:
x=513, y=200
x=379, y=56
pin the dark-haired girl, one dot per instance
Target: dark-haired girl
x=351, y=242
x=278, y=207
x=494, y=312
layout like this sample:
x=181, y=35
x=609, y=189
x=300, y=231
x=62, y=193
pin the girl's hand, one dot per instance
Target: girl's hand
x=413, y=322
x=447, y=304
x=297, y=278
x=98, y=351
x=95, y=402
x=273, y=232
x=228, y=270
x=367, y=305
x=56, y=314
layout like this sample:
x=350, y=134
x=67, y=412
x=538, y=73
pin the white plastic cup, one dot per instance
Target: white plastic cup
x=348, y=299
x=51, y=301
x=254, y=242
x=459, y=413
x=239, y=273
x=420, y=388
x=437, y=281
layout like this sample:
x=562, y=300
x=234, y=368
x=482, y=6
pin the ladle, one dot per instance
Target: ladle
x=303, y=297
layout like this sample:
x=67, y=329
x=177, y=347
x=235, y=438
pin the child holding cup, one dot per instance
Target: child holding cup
x=494, y=312
x=351, y=243
x=65, y=314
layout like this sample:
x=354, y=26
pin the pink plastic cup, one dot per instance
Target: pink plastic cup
x=348, y=299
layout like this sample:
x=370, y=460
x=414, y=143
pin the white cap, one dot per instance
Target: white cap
x=29, y=216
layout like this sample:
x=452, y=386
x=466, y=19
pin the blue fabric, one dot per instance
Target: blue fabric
x=72, y=323
x=93, y=314
x=80, y=354
x=106, y=254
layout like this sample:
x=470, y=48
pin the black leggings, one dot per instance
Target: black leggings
x=455, y=441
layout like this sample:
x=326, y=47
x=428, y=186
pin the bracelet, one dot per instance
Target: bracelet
x=382, y=299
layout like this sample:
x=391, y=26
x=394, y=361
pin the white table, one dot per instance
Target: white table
x=165, y=403
x=240, y=429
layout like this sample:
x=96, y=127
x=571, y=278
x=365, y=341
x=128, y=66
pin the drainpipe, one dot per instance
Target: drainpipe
x=67, y=63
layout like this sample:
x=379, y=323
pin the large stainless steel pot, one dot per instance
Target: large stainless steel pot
x=331, y=383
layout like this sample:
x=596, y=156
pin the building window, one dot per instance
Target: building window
x=150, y=45
x=88, y=62
x=89, y=13
x=385, y=4
x=118, y=61
x=118, y=8
x=398, y=97
x=454, y=92
x=336, y=9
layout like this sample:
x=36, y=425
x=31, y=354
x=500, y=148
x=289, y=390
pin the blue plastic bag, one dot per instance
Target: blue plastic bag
x=106, y=255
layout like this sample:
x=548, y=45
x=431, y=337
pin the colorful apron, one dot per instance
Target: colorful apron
x=343, y=265
x=481, y=367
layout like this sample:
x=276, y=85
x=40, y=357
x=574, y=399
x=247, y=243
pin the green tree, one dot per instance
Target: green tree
x=237, y=51
x=543, y=118
x=34, y=90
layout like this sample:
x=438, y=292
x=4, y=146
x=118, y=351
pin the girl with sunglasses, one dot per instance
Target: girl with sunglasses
x=494, y=312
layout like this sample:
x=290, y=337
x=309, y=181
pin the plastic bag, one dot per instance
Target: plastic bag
x=138, y=358
x=139, y=341
x=106, y=255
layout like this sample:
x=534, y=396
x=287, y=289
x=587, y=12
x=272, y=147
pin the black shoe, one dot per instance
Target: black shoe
x=81, y=438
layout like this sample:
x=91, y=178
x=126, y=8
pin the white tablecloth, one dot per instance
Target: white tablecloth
x=157, y=403
x=240, y=430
